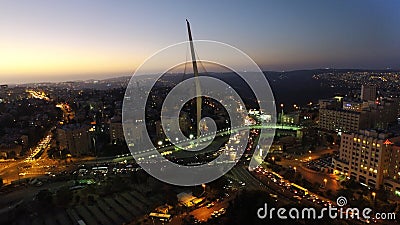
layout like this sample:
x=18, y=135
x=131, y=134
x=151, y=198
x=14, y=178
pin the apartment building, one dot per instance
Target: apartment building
x=365, y=156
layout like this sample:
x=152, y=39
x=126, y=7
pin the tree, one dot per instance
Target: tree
x=345, y=193
x=244, y=208
x=329, y=192
x=329, y=138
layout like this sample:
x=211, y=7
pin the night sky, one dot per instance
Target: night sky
x=65, y=40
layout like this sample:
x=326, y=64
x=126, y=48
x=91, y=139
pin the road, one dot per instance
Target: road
x=147, y=154
x=311, y=175
x=204, y=213
x=238, y=174
x=27, y=193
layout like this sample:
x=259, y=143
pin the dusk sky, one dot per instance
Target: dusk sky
x=67, y=40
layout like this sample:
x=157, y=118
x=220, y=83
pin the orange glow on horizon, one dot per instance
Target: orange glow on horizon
x=47, y=62
x=38, y=59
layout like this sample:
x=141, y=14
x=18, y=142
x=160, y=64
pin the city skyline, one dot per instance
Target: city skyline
x=76, y=41
x=173, y=112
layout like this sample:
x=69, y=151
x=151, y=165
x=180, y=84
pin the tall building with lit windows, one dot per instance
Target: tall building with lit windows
x=74, y=138
x=339, y=120
x=333, y=117
x=116, y=130
x=351, y=115
x=368, y=93
x=365, y=157
x=392, y=182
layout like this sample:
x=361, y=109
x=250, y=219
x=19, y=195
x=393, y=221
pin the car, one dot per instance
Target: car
x=209, y=205
x=297, y=197
x=222, y=210
x=310, y=198
x=273, y=196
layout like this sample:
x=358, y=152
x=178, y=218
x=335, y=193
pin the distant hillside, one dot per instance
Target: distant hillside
x=289, y=87
x=298, y=87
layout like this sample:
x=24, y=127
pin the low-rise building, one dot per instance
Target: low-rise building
x=8, y=151
x=339, y=120
x=292, y=118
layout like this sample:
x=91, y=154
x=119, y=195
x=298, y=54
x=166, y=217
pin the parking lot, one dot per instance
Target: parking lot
x=320, y=164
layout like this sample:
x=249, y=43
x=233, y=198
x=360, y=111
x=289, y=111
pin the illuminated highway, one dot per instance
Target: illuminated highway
x=38, y=95
x=68, y=114
x=145, y=154
x=31, y=167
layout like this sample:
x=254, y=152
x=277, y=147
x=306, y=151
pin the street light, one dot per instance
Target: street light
x=282, y=114
x=295, y=169
x=204, y=189
x=273, y=159
x=95, y=150
x=373, y=195
x=325, y=181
